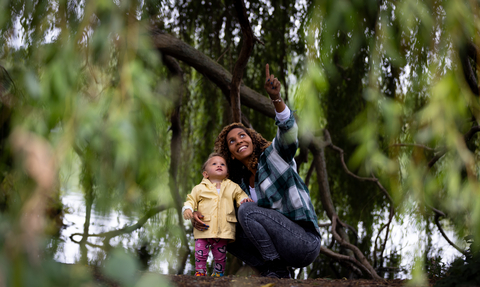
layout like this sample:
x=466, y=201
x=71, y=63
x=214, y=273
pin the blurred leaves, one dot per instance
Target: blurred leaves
x=384, y=77
x=122, y=268
x=89, y=82
x=396, y=99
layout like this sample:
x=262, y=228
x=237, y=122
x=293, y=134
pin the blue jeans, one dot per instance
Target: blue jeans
x=264, y=234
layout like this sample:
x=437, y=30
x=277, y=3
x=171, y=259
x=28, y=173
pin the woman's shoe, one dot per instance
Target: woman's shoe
x=217, y=274
x=200, y=274
x=275, y=269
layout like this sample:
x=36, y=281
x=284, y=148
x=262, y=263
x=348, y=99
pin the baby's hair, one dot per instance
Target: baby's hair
x=213, y=154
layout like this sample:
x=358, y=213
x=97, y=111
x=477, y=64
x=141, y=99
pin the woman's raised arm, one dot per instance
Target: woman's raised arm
x=272, y=86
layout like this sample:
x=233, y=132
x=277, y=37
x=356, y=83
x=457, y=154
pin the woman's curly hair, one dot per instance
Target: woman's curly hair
x=236, y=169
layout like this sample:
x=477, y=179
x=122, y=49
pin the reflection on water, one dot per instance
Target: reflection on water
x=69, y=251
x=406, y=239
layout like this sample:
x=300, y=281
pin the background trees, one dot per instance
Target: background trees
x=133, y=93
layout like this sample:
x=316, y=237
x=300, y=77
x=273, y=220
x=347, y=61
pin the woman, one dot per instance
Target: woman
x=279, y=228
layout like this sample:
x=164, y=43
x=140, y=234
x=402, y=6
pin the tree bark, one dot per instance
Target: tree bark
x=176, y=148
x=246, y=51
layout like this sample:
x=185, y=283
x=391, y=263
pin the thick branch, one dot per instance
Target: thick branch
x=355, y=265
x=246, y=51
x=176, y=148
x=321, y=169
x=176, y=128
x=169, y=45
x=317, y=149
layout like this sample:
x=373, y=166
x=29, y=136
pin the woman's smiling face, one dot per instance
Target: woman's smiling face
x=240, y=145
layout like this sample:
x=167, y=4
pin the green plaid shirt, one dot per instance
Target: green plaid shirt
x=277, y=183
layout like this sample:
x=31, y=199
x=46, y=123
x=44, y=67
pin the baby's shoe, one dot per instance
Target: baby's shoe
x=217, y=274
x=200, y=274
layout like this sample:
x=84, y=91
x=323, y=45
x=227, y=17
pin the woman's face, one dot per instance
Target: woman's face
x=240, y=145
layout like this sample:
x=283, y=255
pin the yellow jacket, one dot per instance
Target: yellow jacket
x=217, y=209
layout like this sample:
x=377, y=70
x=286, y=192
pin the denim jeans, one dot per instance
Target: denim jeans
x=264, y=234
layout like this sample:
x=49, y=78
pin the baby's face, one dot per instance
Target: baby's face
x=216, y=168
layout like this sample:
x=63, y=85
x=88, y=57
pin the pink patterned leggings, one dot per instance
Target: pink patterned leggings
x=219, y=252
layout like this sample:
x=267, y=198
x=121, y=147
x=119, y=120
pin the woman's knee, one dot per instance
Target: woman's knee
x=245, y=209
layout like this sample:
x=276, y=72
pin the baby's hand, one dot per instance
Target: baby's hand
x=187, y=214
x=248, y=199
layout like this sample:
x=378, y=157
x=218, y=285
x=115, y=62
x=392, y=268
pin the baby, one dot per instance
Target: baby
x=214, y=198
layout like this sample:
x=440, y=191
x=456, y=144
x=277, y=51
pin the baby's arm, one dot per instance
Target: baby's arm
x=240, y=196
x=189, y=205
x=187, y=214
x=248, y=199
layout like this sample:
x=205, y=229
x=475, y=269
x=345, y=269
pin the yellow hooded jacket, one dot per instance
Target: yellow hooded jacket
x=217, y=208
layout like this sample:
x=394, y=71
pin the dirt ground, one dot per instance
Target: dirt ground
x=234, y=281
x=255, y=281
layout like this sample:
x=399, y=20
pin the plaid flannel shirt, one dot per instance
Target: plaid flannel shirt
x=277, y=183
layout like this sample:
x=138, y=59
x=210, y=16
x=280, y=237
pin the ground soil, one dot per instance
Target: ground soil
x=255, y=281
x=234, y=281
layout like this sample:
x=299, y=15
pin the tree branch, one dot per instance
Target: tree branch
x=169, y=45
x=175, y=149
x=309, y=173
x=345, y=168
x=387, y=226
x=246, y=51
x=362, y=261
x=372, y=179
x=339, y=234
x=351, y=261
x=439, y=214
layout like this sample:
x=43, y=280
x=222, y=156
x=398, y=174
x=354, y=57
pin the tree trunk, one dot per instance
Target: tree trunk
x=176, y=148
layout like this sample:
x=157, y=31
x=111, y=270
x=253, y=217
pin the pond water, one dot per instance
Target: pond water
x=405, y=238
x=74, y=222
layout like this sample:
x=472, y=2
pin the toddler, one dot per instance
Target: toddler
x=213, y=198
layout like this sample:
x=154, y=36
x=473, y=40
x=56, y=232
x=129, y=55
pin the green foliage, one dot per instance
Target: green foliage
x=392, y=92
x=384, y=78
x=91, y=89
x=122, y=268
x=464, y=270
